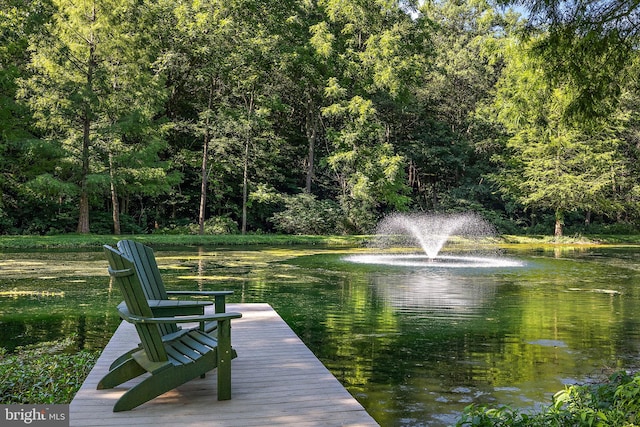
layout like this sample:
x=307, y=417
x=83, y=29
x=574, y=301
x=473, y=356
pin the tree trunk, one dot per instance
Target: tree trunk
x=245, y=174
x=245, y=185
x=83, y=219
x=559, y=224
x=312, y=134
x=115, y=207
x=205, y=163
x=203, y=187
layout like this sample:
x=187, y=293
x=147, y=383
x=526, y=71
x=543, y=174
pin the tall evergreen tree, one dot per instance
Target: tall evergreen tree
x=21, y=153
x=551, y=163
x=90, y=81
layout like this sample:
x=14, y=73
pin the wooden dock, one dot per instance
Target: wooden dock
x=276, y=381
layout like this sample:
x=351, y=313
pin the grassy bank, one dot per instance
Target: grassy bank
x=96, y=241
x=596, y=239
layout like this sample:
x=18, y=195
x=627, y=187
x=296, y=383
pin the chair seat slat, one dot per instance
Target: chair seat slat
x=179, y=358
x=203, y=338
x=196, y=345
x=186, y=350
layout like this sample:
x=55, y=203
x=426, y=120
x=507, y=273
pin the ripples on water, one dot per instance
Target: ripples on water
x=512, y=333
x=441, y=261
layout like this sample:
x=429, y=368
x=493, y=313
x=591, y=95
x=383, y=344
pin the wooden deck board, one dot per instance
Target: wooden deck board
x=276, y=381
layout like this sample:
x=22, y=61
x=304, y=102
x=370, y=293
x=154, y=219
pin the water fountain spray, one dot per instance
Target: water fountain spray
x=430, y=232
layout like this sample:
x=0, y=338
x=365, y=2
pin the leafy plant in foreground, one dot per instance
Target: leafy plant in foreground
x=611, y=403
x=42, y=374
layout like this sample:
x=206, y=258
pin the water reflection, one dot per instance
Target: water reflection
x=439, y=293
x=489, y=336
x=441, y=262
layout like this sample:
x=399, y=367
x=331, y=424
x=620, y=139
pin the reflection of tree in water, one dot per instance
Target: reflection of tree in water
x=87, y=332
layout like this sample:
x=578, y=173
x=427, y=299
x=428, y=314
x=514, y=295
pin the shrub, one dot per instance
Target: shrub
x=621, y=228
x=43, y=373
x=612, y=403
x=46, y=224
x=304, y=214
x=214, y=225
x=102, y=223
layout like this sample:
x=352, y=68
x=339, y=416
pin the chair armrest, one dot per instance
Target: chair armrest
x=166, y=308
x=131, y=318
x=172, y=307
x=176, y=303
x=202, y=293
x=220, y=297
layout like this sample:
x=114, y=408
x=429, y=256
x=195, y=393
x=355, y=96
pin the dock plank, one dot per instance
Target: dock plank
x=276, y=381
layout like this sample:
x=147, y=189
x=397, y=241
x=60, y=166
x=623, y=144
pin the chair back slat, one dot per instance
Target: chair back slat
x=149, y=275
x=145, y=261
x=123, y=272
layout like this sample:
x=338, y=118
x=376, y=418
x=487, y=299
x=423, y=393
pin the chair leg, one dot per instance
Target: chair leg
x=120, y=374
x=224, y=356
x=161, y=382
x=120, y=360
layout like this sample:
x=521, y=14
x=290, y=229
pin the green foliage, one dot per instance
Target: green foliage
x=498, y=417
x=304, y=214
x=613, y=403
x=216, y=225
x=376, y=52
x=617, y=228
x=50, y=223
x=102, y=223
x=43, y=373
x=549, y=162
x=91, y=89
x=166, y=239
x=589, y=44
x=595, y=64
x=129, y=107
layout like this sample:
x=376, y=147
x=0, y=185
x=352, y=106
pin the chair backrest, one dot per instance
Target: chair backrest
x=123, y=272
x=147, y=267
x=149, y=275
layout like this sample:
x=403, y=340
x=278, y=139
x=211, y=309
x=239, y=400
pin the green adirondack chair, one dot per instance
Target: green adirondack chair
x=149, y=273
x=158, y=297
x=171, y=362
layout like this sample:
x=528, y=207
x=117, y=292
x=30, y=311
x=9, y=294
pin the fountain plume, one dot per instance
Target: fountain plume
x=430, y=231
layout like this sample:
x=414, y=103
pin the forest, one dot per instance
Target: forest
x=317, y=116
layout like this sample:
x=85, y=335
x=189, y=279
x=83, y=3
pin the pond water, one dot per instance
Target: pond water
x=414, y=344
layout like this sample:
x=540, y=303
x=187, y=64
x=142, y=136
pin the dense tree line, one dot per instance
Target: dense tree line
x=316, y=116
